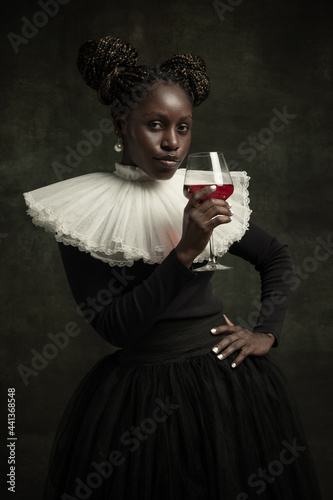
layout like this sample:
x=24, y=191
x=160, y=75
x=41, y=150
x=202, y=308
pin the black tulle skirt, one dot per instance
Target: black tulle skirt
x=167, y=420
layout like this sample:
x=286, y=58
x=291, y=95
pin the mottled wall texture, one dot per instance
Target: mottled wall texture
x=269, y=111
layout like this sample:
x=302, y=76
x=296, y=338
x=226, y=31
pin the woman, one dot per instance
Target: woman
x=177, y=412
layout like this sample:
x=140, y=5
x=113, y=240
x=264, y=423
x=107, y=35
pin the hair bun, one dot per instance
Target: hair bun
x=191, y=69
x=98, y=58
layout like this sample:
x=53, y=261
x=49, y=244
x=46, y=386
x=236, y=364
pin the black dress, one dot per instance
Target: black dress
x=162, y=417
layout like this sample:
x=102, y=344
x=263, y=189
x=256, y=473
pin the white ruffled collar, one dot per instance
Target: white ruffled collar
x=124, y=216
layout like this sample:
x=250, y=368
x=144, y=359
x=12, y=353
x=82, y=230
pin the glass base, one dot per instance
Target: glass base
x=211, y=266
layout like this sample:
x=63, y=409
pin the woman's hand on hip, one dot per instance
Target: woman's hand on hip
x=199, y=221
x=242, y=340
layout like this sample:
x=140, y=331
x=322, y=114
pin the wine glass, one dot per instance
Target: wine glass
x=207, y=169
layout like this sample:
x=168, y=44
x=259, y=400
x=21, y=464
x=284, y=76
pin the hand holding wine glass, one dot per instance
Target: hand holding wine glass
x=208, y=184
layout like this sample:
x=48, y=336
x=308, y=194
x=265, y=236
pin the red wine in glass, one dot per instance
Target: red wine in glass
x=222, y=192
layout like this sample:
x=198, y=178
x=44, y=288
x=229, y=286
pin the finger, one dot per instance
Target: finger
x=225, y=351
x=239, y=359
x=218, y=221
x=228, y=321
x=209, y=205
x=198, y=196
x=223, y=329
x=206, y=195
x=214, y=210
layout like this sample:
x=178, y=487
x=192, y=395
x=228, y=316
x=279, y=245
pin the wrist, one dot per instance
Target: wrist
x=271, y=337
x=184, y=257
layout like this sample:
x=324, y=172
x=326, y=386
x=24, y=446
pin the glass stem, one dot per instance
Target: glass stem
x=212, y=257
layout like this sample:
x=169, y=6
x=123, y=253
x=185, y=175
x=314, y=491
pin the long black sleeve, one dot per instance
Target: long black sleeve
x=273, y=261
x=119, y=306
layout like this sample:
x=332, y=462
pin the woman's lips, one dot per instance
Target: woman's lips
x=168, y=161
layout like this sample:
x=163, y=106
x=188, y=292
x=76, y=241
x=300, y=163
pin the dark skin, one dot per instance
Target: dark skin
x=156, y=137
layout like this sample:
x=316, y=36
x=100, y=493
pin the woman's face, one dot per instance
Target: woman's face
x=157, y=133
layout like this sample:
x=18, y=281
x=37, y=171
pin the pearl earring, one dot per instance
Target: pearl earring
x=118, y=147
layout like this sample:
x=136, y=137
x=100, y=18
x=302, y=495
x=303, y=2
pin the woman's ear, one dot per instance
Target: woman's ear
x=119, y=124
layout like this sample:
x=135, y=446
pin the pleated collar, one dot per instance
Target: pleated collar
x=124, y=216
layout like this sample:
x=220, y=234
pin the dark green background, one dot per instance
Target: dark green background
x=264, y=55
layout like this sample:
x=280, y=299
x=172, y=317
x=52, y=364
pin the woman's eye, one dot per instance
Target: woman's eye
x=184, y=127
x=155, y=125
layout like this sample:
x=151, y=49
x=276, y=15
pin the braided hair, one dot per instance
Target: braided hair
x=109, y=66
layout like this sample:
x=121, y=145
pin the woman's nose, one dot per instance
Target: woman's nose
x=170, y=140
